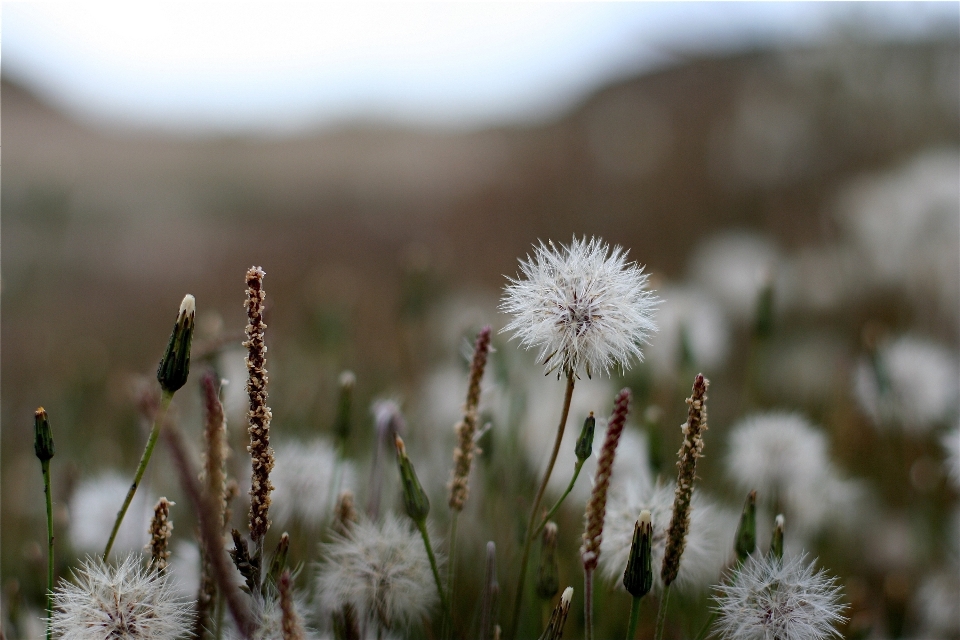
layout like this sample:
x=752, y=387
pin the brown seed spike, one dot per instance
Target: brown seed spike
x=466, y=449
x=690, y=451
x=161, y=529
x=259, y=415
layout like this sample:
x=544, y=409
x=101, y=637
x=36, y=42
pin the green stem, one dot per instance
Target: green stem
x=529, y=536
x=662, y=612
x=634, y=619
x=422, y=526
x=588, y=602
x=452, y=547
x=45, y=465
x=165, y=398
x=705, y=631
x=553, y=510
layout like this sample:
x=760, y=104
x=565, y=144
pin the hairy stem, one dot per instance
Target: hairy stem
x=556, y=507
x=45, y=465
x=529, y=535
x=165, y=398
x=422, y=526
x=634, y=619
x=662, y=612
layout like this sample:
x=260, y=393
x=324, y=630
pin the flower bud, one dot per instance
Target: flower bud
x=415, y=500
x=585, y=441
x=279, y=561
x=746, y=541
x=548, y=575
x=776, y=542
x=42, y=435
x=175, y=365
x=341, y=425
x=638, y=577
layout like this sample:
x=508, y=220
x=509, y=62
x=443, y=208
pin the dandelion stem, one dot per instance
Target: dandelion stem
x=530, y=535
x=422, y=526
x=165, y=398
x=662, y=612
x=45, y=465
x=634, y=619
x=553, y=510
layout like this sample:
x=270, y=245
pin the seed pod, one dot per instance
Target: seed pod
x=42, y=435
x=746, y=542
x=415, y=499
x=638, y=577
x=585, y=441
x=548, y=575
x=175, y=364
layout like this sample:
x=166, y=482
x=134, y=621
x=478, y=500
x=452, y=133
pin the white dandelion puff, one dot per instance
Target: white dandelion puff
x=784, y=599
x=912, y=382
x=708, y=543
x=268, y=618
x=735, y=267
x=126, y=602
x=692, y=330
x=381, y=570
x=583, y=305
x=304, y=480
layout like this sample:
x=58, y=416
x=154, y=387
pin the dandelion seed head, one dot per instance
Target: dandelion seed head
x=381, y=570
x=920, y=387
x=708, y=541
x=786, y=599
x=582, y=305
x=124, y=601
x=303, y=481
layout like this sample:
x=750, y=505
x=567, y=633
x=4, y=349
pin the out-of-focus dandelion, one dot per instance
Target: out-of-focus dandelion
x=303, y=481
x=126, y=601
x=583, y=305
x=785, y=458
x=786, y=599
x=92, y=508
x=707, y=544
x=910, y=382
x=692, y=332
x=951, y=446
x=380, y=570
x=389, y=423
x=735, y=267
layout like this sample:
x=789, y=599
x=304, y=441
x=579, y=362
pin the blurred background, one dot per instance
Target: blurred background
x=788, y=173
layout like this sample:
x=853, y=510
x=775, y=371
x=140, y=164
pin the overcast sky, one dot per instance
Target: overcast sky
x=236, y=67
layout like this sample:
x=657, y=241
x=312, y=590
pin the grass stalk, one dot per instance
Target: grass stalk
x=45, y=465
x=529, y=535
x=662, y=613
x=634, y=619
x=422, y=526
x=165, y=398
x=556, y=507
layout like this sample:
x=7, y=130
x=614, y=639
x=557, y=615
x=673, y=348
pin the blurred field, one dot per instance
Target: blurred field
x=369, y=236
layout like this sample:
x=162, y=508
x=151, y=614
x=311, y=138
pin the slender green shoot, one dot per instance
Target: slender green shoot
x=662, y=613
x=45, y=465
x=422, y=526
x=556, y=507
x=165, y=398
x=634, y=619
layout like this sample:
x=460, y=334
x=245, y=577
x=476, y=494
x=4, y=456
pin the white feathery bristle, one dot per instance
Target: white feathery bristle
x=188, y=306
x=707, y=543
x=582, y=305
x=769, y=597
x=645, y=516
x=922, y=386
x=347, y=379
x=124, y=601
x=566, y=596
x=380, y=570
x=779, y=521
x=303, y=479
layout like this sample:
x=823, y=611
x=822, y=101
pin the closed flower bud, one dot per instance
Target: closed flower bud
x=42, y=436
x=341, y=425
x=585, y=441
x=746, y=541
x=175, y=365
x=415, y=499
x=776, y=542
x=638, y=577
x=548, y=575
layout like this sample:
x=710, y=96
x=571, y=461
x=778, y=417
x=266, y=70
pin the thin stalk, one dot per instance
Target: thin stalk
x=221, y=610
x=634, y=619
x=525, y=556
x=588, y=602
x=553, y=510
x=705, y=631
x=422, y=526
x=662, y=612
x=165, y=398
x=447, y=625
x=45, y=465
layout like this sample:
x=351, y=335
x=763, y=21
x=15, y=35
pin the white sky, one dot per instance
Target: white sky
x=253, y=67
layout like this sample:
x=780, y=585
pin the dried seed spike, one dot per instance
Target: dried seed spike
x=259, y=415
x=290, y=621
x=161, y=529
x=466, y=448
